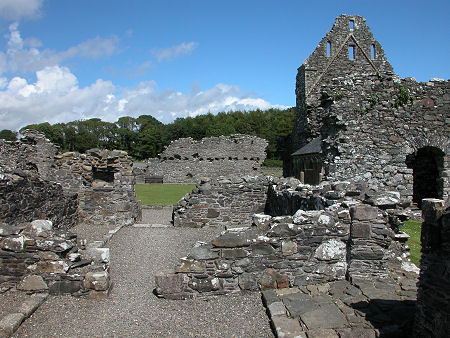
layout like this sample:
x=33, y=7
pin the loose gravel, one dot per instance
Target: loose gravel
x=132, y=309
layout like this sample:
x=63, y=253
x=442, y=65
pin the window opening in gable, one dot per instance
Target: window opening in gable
x=351, y=52
x=351, y=24
x=372, y=52
x=328, y=48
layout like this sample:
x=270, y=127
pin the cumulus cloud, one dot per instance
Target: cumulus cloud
x=55, y=96
x=170, y=53
x=25, y=56
x=18, y=9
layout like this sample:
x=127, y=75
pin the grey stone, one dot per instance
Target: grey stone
x=231, y=239
x=64, y=287
x=32, y=283
x=363, y=212
x=10, y=323
x=322, y=333
x=262, y=249
x=331, y=250
x=248, y=281
x=98, y=281
x=299, y=303
x=315, y=319
x=201, y=251
x=277, y=309
x=169, y=283
x=205, y=285
x=287, y=327
x=360, y=230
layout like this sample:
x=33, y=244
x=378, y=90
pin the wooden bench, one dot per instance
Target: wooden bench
x=153, y=179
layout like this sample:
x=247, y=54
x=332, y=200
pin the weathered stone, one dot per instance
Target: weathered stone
x=10, y=323
x=202, y=251
x=299, y=303
x=231, y=239
x=363, y=212
x=98, y=281
x=288, y=248
x=15, y=244
x=315, y=319
x=55, y=245
x=64, y=287
x=170, y=283
x=234, y=253
x=248, y=281
x=261, y=220
x=205, y=285
x=39, y=227
x=322, y=333
x=96, y=254
x=360, y=230
x=32, y=283
x=271, y=279
x=262, y=249
x=287, y=327
x=49, y=267
x=331, y=250
x=213, y=213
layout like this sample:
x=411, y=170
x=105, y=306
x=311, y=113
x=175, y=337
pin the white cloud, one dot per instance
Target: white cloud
x=18, y=9
x=57, y=97
x=183, y=48
x=25, y=56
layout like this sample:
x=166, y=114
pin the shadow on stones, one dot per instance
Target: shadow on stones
x=393, y=318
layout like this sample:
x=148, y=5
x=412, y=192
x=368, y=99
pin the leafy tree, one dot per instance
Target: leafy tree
x=8, y=135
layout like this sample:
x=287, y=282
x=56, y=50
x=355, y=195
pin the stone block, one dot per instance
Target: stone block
x=322, y=333
x=202, y=251
x=205, y=285
x=10, y=323
x=271, y=279
x=331, y=250
x=49, y=267
x=288, y=248
x=315, y=319
x=260, y=249
x=41, y=227
x=170, y=283
x=287, y=327
x=261, y=220
x=15, y=244
x=248, y=281
x=97, y=254
x=234, y=253
x=64, y=287
x=360, y=230
x=32, y=283
x=98, y=281
x=432, y=210
x=363, y=212
x=235, y=238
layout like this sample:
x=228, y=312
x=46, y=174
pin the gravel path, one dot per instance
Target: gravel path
x=132, y=309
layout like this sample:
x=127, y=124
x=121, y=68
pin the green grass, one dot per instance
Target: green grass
x=161, y=194
x=412, y=228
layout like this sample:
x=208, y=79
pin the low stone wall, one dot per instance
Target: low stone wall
x=307, y=248
x=433, y=298
x=188, y=161
x=222, y=201
x=24, y=198
x=37, y=257
x=104, y=182
x=101, y=180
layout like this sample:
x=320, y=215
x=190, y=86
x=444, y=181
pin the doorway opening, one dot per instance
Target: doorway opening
x=427, y=164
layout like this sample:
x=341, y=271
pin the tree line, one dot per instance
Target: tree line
x=145, y=137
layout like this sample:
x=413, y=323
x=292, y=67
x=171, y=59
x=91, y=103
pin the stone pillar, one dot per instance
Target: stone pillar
x=433, y=298
x=369, y=238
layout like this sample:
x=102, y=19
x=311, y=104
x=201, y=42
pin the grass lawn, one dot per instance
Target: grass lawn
x=412, y=228
x=161, y=194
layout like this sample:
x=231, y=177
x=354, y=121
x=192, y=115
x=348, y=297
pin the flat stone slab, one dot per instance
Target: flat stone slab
x=366, y=308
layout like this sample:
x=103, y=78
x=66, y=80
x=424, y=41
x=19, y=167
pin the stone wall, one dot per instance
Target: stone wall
x=36, y=257
x=374, y=126
x=433, y=299
x=222, y=201
x=366, y=138
x=346, y=239
x=101, y=180
x=24, y=198
x=187, y=161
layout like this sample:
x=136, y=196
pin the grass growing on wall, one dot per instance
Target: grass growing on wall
x=161, y=194
x=412, y=228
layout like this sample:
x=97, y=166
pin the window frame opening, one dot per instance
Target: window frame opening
x=352, y=52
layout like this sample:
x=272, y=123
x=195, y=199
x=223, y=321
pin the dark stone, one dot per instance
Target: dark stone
x=262, y=249
x=65, y=287
x=213, y=213
x=360, y=230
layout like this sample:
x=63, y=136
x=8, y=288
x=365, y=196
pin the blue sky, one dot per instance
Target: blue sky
x=63, y=60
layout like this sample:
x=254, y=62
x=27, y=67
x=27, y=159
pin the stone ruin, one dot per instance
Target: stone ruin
x=369, y=125
x=372, y=144
x=43, y=195
x=188, y=161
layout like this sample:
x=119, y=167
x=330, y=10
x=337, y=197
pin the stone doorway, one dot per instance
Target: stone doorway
x=427, y=164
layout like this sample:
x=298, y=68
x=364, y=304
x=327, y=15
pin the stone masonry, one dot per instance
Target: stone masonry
x=221, y=201
x=188, y=161
x=349, y=236
x=391, y=133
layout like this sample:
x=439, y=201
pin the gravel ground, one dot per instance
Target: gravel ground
x=10, y=301
x=132, y=309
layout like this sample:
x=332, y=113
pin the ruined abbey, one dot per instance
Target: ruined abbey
x=323, y=244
